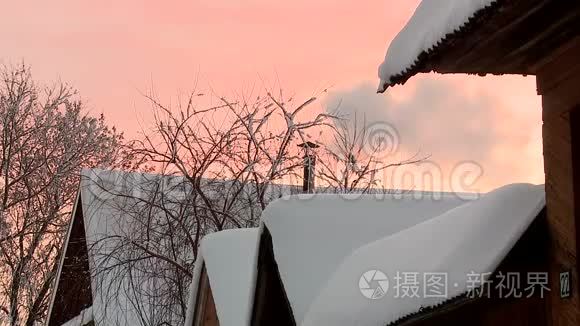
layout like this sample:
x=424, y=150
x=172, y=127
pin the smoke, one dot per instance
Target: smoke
x=440, y=120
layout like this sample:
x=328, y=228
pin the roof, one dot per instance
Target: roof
x=479, y=37
x=230, y=261
x=331, y=227
x=322, y=245
x=114, y=205
x=473, y=238
x=305, y=264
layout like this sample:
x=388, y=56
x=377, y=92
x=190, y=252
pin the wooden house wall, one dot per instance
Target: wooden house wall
x=205, y=309
x=558, y=81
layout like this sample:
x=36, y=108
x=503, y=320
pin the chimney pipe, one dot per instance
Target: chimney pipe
x=309, y=167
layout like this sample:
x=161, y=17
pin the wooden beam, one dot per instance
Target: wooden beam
x=560, y=51
x=201, y=300
x=526, y=9
x=542, y=36
x=558, y=66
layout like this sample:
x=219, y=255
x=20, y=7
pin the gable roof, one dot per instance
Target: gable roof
x=73, y=272
x=109, y=209
x=473, y=238
x=479, y=37
x=311, y=236
x=322, y=245
x=229, y=258
x=310, y=239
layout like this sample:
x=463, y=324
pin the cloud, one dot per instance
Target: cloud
x=442, y=120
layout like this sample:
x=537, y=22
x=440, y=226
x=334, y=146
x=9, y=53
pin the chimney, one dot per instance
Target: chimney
x=309, y=167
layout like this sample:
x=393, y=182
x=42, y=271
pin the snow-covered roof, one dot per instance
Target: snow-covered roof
x=312, y=235
x=112, y=203
x=323, y=244
x=472, y=238
x=432, y=22
x=115, y=205
x=230, y=260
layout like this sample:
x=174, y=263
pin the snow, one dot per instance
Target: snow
x=322, y=244
x=114, y=204
x=110, y=202
x=230, y=260
x=312, y=234
x=85, y=317
x=432, y=20
x=474, y=237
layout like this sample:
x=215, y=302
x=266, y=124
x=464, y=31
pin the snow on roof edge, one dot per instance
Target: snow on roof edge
x=541, y=205
x=331, y=227
x=230, y=259
x=432, y=23
x=193, y=289
x=515, y=199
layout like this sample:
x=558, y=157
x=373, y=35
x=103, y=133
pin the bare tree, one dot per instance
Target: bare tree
x=358, y=154
x=227, y=161
x=46, y=136
x=217, y=168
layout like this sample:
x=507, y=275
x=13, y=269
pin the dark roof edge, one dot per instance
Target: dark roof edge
x=427, y=312
x=52, y=298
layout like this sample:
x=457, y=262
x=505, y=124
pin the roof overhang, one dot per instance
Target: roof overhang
x=507, y=37
x=535, y=239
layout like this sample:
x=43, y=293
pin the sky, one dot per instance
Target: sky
x=113, y=52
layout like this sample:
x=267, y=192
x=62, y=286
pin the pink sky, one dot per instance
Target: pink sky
x=113, y=50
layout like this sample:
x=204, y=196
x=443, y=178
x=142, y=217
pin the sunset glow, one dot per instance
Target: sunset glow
x=114, y=51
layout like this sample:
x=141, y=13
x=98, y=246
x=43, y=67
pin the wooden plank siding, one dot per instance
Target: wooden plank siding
x=558, y=81
x=205, y=309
